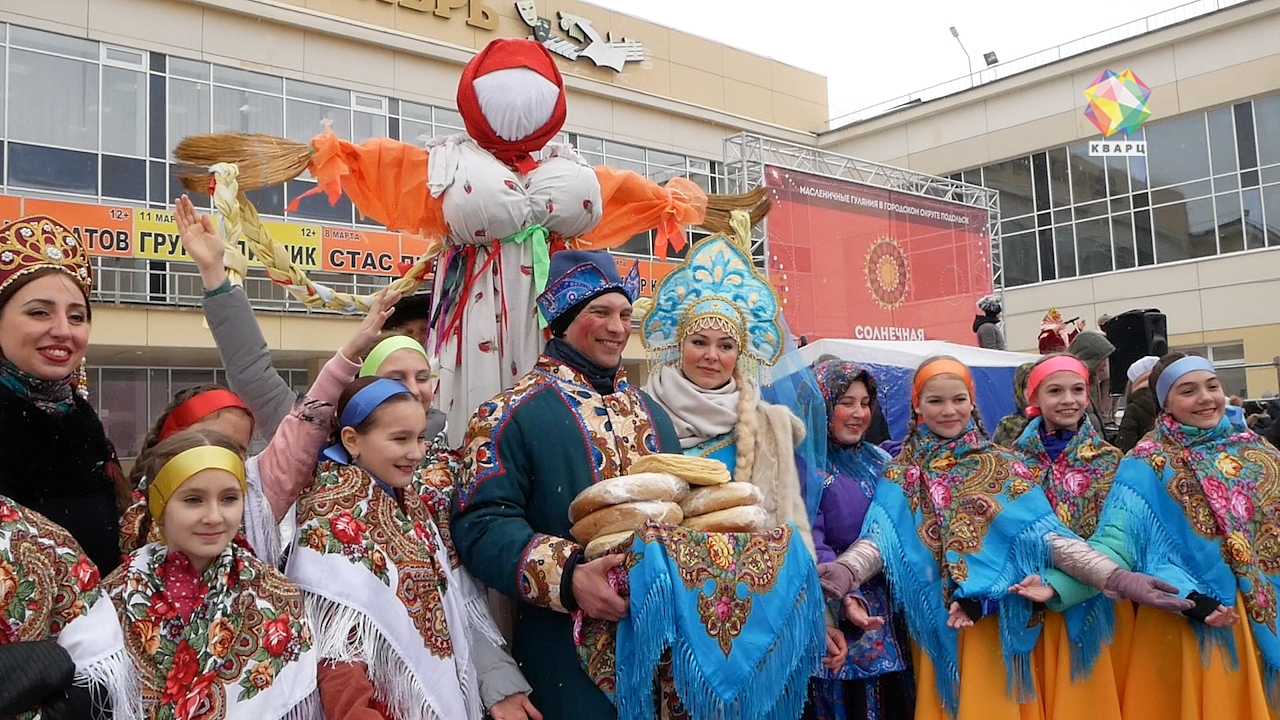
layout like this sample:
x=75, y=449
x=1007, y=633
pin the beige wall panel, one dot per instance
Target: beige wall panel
x=642, y=125
x=697, y=86
x=699, y=138
x=69, y=16
x=888, y=143
x=455, y=30
x=798, y=83
x=170, y=25
x=655, y=38
x=799, y=114
x=354, y=63
x=177, y=328
x=1033, y=136
x=1053, y=96
x=748, y=68
x=238, y=41
x=651, y=76
x=948, y=158
x=1149, y=280
x=374, y=13
x=1236, y=45
x=118, y=325
x=590, y=113
x=425, y=80
x=945, y=128
x=696, y=53
x=1238, y=306
x=748, y=100
x=1039, y=298
x=1229, y=85
x=1239, y=269
x=1154, y=66
x=316, y=333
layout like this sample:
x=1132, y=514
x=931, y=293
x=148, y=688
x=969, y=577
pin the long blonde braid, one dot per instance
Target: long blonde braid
x=747, y=428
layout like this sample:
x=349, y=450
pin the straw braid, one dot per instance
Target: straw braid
x=238, y=212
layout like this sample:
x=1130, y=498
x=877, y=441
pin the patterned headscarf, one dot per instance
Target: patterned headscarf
x=835, y=376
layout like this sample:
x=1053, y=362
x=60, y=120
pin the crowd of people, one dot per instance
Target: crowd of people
x=390, y=555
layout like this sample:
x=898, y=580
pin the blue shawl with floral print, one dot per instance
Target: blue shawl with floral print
x=1201, y=510
x=962, y=518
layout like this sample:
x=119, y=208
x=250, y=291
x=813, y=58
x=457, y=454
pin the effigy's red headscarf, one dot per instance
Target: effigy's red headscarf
x=504, y=54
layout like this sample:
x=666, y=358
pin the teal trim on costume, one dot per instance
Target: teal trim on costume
x=722, y=447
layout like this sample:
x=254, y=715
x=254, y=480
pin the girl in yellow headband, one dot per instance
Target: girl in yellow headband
x=213, y=632
x=954, y=522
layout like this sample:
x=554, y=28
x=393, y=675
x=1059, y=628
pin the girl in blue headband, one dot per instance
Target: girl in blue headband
x=1196, y=503
x=398, y=623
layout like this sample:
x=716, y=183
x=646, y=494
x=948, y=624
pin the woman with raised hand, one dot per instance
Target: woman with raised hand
x=55, y=457
x=874, y=681
x=1197, y=505
x=391, y=609
x=954, y=520
x=213, y=632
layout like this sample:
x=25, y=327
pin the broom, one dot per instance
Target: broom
x=264, y=160
x=721, y=207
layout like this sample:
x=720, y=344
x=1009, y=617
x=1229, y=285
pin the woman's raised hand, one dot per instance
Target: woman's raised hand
x=371, y=327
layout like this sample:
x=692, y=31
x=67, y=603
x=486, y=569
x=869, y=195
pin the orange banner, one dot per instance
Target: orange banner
x=651, y=271
x=104, y=229
x=360, y=251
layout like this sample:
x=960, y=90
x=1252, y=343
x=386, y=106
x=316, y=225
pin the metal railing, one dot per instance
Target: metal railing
x=136, y=281
x=1128, y=30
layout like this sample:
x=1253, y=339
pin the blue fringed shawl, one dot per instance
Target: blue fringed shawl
x=1167, y=497
x=741, y=614
x=963, y=518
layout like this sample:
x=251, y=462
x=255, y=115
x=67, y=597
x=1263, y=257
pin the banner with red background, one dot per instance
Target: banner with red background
x=858, y=261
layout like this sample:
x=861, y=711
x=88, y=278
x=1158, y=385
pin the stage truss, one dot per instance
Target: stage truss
x=747, y=156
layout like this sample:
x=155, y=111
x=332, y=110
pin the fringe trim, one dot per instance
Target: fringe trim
x=351, y=636
x=1271, y=686
x=920, y=602
x=794, y=657
x=1145, y=537
x=1031, y=551
x=480, y=619
x=1094, y=624
x=117, y=677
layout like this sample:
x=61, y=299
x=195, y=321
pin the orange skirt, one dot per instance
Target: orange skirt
x=1167, y=680
x=983, y=680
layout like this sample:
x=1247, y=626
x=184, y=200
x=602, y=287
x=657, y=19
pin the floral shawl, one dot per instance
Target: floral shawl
x=377, y=580
x=1076, y=485
x=1201, y=510
x=49, y=589
x=962, y=518
x=242, y=649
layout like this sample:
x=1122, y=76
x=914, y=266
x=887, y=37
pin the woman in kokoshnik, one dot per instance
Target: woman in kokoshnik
x=875, y=680
x=392, y=613
x=954, y=522
x=1074, y=466
x=214, y=633
x=1196, y=503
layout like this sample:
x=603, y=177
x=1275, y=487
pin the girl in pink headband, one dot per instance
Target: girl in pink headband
x=1075, y=466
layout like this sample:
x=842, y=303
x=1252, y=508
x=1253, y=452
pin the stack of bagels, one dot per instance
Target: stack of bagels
x=657, y=489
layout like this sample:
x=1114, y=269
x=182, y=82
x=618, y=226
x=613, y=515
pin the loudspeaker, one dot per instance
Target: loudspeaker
x=1135, y=333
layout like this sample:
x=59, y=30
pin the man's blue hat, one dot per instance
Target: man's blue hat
x=578, y=276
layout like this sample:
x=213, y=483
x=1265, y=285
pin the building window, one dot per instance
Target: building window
x=1228, y=358
x=1210, y=186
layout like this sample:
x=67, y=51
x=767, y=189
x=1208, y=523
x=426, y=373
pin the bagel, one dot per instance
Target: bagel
x=637, y=487
x=608, y=544
x=741, y=519
x=693, y=470
x=625, y=517
x=705, y=500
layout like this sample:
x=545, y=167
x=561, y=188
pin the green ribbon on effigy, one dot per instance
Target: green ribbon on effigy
x=541, y=237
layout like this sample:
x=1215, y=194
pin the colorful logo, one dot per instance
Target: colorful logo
x=1117, y=103
x=888, y=273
